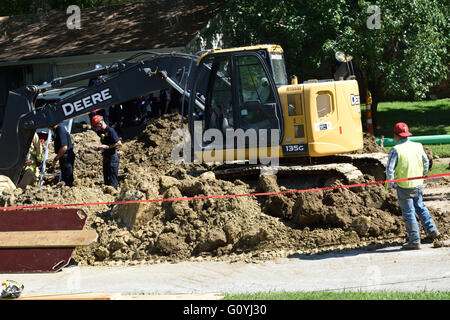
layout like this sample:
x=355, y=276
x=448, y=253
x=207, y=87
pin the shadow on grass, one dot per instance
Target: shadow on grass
x=422, y=120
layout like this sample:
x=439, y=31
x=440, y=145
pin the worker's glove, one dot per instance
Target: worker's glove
x=11, y=289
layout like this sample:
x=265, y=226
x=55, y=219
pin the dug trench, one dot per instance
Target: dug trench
x=247, y=228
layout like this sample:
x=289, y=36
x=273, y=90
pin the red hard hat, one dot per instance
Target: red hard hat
x=96, y=119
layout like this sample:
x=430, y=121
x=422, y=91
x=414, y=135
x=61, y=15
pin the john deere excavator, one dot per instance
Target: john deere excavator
x=310, y=127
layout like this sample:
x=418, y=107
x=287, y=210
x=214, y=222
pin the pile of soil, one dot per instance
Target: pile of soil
x=237, y=228
x=370, y=144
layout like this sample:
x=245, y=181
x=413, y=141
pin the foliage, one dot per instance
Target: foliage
x=408, y=53
x=403, y=58
x=423, y=117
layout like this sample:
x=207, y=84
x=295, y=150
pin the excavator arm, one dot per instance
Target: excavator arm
x=125, y=80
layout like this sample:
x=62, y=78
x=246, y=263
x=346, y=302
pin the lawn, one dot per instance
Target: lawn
x=344, y=295
x=430, y=117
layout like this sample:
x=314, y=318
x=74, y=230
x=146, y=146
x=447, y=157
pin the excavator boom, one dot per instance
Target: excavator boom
x=126, y=80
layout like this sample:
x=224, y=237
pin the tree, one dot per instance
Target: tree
x=401, y=57
x=406, y=55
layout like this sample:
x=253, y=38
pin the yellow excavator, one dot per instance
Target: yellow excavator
x=241, y=112
x=240, y=107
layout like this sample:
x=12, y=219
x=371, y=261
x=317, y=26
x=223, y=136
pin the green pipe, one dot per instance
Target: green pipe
x=437, y=139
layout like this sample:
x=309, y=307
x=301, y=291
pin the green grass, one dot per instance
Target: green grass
x=439, y=168
x=442, y=150
x=344, y=295
x=424, y=118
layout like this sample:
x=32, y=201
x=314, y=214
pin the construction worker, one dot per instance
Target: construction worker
x=109, y=142
x=406, y=160
x=64, y=153
x=30, y=172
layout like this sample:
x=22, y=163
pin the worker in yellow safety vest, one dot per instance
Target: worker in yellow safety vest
x=30, y=171
x=406, y=160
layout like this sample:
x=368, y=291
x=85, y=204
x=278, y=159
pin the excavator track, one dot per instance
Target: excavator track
x=323, y=171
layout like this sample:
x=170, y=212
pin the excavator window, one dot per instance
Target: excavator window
x=256, y=98
x=324, y=104
x=278, y=69
x=220, y=97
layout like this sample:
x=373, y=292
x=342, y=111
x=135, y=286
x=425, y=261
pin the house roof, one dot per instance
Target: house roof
x=130, y=27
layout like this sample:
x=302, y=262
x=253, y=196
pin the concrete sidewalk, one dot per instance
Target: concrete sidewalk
x=383, y=269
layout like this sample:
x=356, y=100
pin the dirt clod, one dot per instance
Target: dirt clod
x=235, y=228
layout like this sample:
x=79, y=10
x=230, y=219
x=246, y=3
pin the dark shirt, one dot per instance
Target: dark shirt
x=109, y=137
x=62, y=138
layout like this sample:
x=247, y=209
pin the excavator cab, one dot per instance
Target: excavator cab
x=250, y=109
x=241, y=103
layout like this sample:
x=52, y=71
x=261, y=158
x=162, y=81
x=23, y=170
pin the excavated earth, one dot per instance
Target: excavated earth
x=246, y=228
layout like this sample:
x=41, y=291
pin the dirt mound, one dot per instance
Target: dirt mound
x=244, y=227
x=370, y=144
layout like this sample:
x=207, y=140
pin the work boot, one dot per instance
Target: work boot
x=411, y=246
x=434, y=235
x=431, y=237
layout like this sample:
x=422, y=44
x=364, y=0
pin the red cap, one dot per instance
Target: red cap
x=96, y=119
x=402, y=130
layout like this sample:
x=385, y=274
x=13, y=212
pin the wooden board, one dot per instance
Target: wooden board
x=117, y=296
x=42, y=219
x=69, y=296
x=47, y=239
x=21, y=260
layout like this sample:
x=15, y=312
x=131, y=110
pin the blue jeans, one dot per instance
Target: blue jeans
x=410, y=201
x=111, y=170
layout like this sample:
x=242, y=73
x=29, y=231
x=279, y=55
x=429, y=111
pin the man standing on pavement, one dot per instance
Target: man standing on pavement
x=109, y=142
x=406, y=160
x=64, y=153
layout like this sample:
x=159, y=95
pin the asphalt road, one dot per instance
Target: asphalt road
x=383, y=269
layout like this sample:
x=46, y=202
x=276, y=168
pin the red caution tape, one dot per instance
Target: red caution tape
x=222, y=196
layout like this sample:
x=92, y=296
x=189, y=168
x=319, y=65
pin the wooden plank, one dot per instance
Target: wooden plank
x=116, y=296
x=29, y=260
x=47, y=239
x=42, y=219
x=41, y=259
x=70, y=296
